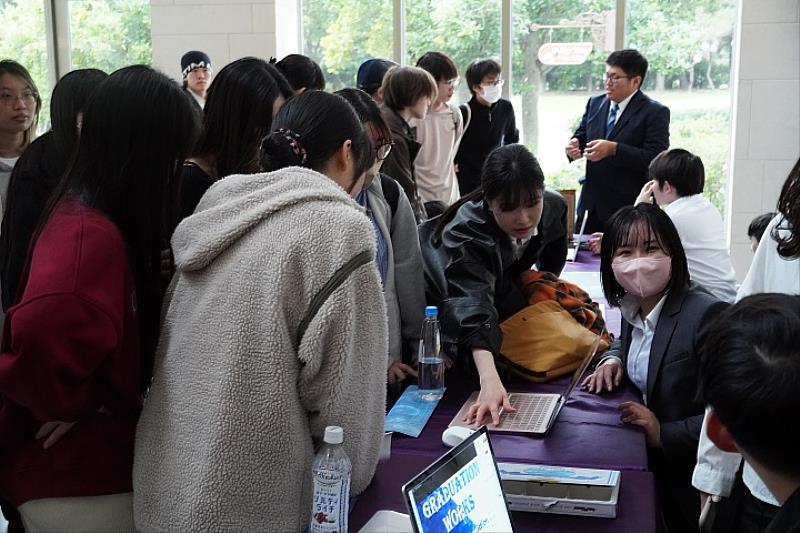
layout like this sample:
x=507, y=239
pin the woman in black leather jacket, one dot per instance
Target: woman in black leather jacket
x=475, y=252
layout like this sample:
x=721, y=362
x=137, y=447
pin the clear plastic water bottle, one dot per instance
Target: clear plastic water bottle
x=431, y=364
x=331, y=472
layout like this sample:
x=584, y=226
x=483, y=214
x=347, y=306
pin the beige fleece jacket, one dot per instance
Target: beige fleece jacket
x=238, y=403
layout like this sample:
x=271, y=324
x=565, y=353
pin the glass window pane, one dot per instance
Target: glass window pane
x=463, y=29
x=23, y=40
x=109, y=34
x=341, y=34
x=559, y=49
x=689, y=47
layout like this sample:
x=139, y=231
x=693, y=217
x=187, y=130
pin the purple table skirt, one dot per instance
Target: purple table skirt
x=588, y=432
x=636, y=509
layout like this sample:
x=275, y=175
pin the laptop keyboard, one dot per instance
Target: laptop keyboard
x=532, y=412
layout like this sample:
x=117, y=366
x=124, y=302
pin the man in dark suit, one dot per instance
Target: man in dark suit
x=619, y=134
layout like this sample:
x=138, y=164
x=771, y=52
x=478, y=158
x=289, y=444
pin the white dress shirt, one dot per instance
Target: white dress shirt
x=519, y=245
x=622, y=105
x=699, y=225
x=769, y=272
x=641, y=340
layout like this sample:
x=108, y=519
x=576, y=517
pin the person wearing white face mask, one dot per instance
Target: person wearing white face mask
x=490, y=120
x=644, y=272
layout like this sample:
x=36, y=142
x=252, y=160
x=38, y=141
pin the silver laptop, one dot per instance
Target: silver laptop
x=535, y=412
x=572, y=249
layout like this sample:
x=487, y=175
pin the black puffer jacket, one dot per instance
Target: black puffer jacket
x=472, y=275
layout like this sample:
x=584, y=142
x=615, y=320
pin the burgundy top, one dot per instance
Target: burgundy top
x=70, y=350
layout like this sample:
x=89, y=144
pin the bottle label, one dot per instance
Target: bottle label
x=331, y=502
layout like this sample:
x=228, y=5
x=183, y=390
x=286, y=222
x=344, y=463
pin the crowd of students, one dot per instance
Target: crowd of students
x=199, y=279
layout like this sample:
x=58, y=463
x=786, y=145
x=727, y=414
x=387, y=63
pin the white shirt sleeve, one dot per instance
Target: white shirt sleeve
x=716, y=470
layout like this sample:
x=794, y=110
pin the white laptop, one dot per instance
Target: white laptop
x=572, y=248
x=535, y=412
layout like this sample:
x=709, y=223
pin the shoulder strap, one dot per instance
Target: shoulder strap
x=466, y=114
x=391, y=191
x=330, y=286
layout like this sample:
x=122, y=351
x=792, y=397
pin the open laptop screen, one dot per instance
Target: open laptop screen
x=460, y=492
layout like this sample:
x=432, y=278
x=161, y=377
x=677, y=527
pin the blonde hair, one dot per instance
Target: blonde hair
x=404, y=86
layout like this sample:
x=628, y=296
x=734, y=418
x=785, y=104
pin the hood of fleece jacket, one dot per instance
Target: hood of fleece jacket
x=236, y=204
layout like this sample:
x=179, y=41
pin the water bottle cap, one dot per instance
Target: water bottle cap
x=334, y=435
x=431, y=310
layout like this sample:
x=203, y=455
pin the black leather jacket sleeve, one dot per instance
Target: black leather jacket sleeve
x=469, y=316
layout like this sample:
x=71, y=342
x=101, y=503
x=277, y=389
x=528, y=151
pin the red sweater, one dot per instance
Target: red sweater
x=71, y=347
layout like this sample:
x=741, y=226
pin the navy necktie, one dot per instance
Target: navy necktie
x=612, y=119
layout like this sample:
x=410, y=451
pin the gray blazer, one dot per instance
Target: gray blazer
x=405, y=282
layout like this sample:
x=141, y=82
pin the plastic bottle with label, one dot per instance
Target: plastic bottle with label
x=331, y=497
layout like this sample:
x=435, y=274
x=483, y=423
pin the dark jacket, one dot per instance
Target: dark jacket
x=32, y=181
x=489, y=128
x=472, y=274
x=194, y=184
x=642, y=132
x=672, y=396
x=399, y=165
x=788, y=518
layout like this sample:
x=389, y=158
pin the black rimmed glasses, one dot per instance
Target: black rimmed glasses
x=613, y=78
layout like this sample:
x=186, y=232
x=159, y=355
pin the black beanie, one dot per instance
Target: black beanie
x=194, y=59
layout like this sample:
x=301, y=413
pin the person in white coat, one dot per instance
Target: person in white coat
x=775, y=268
x=275, y=327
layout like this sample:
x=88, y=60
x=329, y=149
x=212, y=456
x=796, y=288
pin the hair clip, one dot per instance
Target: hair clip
x=294, y=143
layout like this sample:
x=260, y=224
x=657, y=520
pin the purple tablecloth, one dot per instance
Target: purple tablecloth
x=636, y=509
x=588, y=432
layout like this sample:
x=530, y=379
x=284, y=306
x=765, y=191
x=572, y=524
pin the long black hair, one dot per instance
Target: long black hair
x=238, y=114
x=310, y=128
x=70, y=97
x=137, y=129
x=789, y=206
x=511, y=174
x=38, y=172
x=630, y=225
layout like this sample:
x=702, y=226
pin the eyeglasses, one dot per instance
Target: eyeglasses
x=613, y=78
x=383, y=149
x=496, y=83
x=9, y=99
x=452, y=83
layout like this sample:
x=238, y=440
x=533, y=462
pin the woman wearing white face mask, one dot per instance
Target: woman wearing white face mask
x=490, y=119
x=644, y=272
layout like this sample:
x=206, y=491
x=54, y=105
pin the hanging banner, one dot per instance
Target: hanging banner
x=564, y=53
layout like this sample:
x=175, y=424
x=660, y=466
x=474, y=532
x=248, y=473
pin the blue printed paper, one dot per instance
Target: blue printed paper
x=410, y=414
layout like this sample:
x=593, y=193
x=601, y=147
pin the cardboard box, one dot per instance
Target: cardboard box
x=560, y=489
